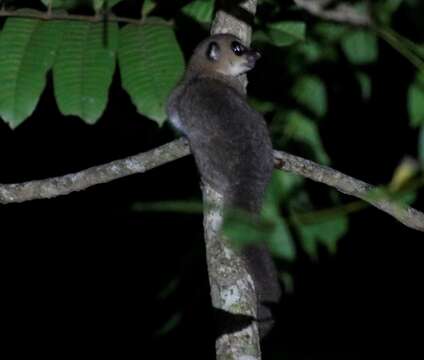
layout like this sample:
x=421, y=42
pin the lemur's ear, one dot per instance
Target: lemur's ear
x=213, y=51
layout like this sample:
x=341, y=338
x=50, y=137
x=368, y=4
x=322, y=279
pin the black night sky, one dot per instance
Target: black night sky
x=84, y=274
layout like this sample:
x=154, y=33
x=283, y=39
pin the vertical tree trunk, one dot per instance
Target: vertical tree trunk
x=232, y=288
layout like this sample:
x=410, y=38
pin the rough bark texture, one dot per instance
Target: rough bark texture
x=227, y=23
x=232, y=288
x=62, y=185
x=350, y=186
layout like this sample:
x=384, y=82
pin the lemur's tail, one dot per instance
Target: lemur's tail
x=258, y=261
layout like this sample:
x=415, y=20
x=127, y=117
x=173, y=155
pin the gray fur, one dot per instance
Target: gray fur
x=231, y=146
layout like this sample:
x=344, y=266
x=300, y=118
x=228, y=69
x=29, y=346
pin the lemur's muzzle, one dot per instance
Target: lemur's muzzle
x=252, y=56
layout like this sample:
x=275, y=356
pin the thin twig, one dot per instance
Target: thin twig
x=393, y=40
x=342, y=13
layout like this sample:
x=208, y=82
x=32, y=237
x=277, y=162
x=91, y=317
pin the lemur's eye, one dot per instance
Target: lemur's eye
x=237, y=48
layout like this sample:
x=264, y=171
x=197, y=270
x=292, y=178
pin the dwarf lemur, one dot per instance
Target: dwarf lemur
x=230, y=143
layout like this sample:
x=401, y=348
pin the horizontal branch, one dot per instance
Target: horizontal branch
x=62, y=185
x=45, y=15
x=342, y=13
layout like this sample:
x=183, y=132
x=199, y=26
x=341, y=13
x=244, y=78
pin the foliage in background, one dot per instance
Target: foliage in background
x=150, y=61
x=83, y=63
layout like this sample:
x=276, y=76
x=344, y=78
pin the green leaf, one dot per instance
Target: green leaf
x=151, y=64
x=271, y=229
x=27, y=51
x=419, y=48
x=64, y=4
x=278, y=238
x=280, y=241
x=98, y=4
x=392, y=5
x=365, y=84
x=286, y=33
x=242, y=231
x=183, y=207
x=148, y=7
x=310, y=91
x=281, y=188
x=71, y=4
x=274, y=194
x=259, y=36
x=384, y=10
x=288, y=281
x=325, y=232
x=262, y=106
x=416, y=102
x=170, y=324
x=360, y=47
x=273, y=232
x=421, y=146
x=330, y=32
x=310, y=51
x=169, y=289
x=403, y=174
x=199, y=10
x=84, y=69
x=406, y=198
x=300, y=128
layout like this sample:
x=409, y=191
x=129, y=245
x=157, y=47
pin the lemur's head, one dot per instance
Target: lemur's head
x=224, y=54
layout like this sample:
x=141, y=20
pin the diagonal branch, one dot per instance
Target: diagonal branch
x=342, y=13
x=62, y=185
x=346, y=184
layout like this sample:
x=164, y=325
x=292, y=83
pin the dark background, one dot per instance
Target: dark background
x=83, y=274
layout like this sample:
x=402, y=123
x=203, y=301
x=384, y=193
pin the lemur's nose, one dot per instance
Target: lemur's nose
x=257, y=54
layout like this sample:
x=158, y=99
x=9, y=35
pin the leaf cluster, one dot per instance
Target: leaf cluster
x=84, y=53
